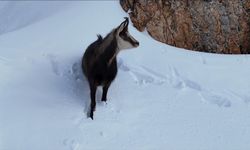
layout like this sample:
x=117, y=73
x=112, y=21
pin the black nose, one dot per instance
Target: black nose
x=137, y=43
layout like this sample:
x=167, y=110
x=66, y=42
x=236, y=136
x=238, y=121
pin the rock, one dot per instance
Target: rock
x=215, y=26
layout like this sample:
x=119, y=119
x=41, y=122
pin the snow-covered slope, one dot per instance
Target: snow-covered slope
x=162, y=98
x=15, y=15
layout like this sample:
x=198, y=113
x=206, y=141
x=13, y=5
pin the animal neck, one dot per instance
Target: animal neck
x=110, y=52
x=106, y=42
x=109, y=48
x=112, y=58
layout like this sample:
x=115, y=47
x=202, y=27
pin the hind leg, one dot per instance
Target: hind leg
x=105, y=91
x=93, y=88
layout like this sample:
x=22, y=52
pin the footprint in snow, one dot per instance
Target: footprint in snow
x=243, y=97
x=69, y=71
x=142, y=75
x=54, y=64
x=76, y=70
x=71, y=144
x=180, y=82
x=213, y=98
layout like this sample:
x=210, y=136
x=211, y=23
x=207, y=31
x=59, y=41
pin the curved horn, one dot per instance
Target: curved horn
x=126, y=20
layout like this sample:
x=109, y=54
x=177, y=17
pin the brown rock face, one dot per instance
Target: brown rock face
x=217, y=26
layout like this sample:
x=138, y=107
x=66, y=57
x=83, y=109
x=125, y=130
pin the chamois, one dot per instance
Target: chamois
x=99, y=63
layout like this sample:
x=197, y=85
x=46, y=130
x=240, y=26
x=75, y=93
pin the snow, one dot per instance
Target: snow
x=163, y=97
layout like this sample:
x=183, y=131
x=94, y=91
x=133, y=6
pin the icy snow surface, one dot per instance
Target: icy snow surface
x=163, y=97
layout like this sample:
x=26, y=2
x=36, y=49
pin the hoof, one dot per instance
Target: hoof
x=104, y=100
x=91, y=115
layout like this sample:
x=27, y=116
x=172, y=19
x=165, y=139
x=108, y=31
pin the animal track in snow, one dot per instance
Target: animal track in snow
x=182, y=83
x=243, y=97
x=142, y=75
x=76, y=70
x=220, y=100
x=54, y=64
x=72, y=144
x=68, y=71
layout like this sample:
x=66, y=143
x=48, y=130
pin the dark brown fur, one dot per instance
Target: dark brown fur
x=99, y=63
x=98, y=70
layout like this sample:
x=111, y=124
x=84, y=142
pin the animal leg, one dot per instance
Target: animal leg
x=105, y=91
x=93, y=102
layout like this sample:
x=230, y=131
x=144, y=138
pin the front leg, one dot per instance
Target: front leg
x=105, y=91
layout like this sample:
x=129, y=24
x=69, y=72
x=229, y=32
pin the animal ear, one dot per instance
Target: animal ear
x=123, y=25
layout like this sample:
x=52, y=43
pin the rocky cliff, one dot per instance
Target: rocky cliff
x=217, y=26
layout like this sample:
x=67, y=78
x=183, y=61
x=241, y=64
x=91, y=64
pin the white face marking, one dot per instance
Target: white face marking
x=124, y=44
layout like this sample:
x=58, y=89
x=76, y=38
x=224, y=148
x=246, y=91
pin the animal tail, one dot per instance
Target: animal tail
x=99, y=37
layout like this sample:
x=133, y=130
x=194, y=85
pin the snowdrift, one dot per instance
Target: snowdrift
x=163, y=97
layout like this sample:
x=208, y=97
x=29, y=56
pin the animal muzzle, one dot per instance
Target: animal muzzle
x=134, y=42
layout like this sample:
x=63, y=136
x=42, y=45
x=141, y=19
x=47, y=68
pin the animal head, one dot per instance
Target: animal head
x=124, y=39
